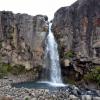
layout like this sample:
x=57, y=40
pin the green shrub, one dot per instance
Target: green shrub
x=70, y=81
x=93, y=75
x=17, y=69
x=3, y=69
x=7, y=68
x=27, y=98
x=69, y=54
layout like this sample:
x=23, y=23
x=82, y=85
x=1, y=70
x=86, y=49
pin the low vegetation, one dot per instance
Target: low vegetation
x=17, y=69
x=5, y=69
x=27, y=98
x=69, y=54
x=93, y=75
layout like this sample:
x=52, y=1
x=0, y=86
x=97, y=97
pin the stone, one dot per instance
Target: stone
x=86, y=97
x=6, y=98
x=73, y=97
x=66, y=62
x=33, y=94
x=98, y=92
x=96, y=98
x=34, y=99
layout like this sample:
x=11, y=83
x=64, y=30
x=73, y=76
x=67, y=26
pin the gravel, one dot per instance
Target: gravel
x=66, y=93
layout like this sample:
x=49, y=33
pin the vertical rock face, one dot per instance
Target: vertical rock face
x=77, y=31
x=77, y=28
x=22, y=39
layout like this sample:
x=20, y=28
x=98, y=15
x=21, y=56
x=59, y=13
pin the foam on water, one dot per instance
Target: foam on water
x=53, y=84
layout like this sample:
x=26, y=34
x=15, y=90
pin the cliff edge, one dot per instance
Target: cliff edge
x=77, y=31
x=22, y=41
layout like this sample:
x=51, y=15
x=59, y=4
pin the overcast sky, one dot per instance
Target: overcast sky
x=34, y=7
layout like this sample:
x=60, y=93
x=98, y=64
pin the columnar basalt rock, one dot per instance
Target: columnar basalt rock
x=22, y=39
x=77, y=29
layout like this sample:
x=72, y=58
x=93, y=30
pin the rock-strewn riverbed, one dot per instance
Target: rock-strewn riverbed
x=65, y=93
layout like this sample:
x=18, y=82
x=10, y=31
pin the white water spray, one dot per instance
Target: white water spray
x=52, y=51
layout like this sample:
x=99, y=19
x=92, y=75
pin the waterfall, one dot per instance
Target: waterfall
x=52, y=53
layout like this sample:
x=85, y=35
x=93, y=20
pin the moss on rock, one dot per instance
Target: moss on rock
x=17, y=69
x=93, y=75
x=69, y=54
x=5, y=69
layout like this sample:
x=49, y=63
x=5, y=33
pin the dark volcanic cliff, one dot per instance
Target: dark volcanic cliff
x=77, y=29
x=22, y=39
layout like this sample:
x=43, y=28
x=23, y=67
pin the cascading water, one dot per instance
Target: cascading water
x=51, y=76
x=52, y=52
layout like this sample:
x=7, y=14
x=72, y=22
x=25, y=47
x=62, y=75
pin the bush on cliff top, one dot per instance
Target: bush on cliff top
x=93, y=75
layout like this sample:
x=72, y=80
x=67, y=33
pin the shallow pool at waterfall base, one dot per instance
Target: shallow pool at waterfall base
x=38, y=85
x=55, y=86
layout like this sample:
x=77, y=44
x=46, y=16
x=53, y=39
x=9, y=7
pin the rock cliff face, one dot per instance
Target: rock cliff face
x=77, y=29
x=22, y=39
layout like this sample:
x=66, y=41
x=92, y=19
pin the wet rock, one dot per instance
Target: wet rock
x=98, y=92
x=96, y=98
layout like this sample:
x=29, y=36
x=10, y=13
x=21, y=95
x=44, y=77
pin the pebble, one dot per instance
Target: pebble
x=34, y=99
x=73, y=97
x=86, y=97
x=96, y=98
x=42, y=94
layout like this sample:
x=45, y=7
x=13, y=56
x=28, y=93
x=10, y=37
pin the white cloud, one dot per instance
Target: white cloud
x=34, y=7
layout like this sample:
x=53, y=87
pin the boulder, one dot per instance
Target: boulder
x=86, y=97
x=73, y=97
x=6, y=98
x=96, y=98
x=66, y=62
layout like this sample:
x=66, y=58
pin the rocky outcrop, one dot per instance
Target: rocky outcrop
x=77, y=29
x=22, y=39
